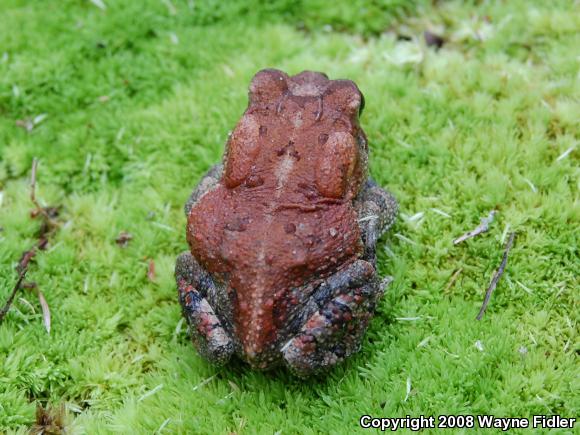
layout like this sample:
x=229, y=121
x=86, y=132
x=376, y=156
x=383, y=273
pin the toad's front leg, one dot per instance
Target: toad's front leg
x=208, y=333
x=377, y=211
x=346, y=303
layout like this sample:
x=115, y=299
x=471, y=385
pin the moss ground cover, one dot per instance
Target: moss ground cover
x=128, y=103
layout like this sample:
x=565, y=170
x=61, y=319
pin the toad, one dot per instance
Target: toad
x=282, y=235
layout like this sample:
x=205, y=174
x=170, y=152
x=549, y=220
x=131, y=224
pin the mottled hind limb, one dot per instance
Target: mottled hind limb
x=208, y=182
x=334, y=331
x=195, y=288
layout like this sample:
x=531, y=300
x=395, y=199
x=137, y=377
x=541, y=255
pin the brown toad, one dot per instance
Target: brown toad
x=283, y=234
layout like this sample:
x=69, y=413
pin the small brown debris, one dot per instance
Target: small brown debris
x=433, y=40
x=29, y=285
x=26, y=124
x=25, y=259
x=42, y=243
x=482, y=228
x=151, y=271
x=498, y=274
x=49, y=420
x=123, y=239
x=51, y=211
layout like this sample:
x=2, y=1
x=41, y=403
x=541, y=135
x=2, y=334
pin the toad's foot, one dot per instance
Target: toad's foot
x=335, y=331
x=207, y=332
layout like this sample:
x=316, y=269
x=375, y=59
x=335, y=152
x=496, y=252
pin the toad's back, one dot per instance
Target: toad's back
x=282, y=215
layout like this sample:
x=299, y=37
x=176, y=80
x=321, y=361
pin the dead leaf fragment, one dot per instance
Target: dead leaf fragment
x=433, y=40
x=99, y=3
x=49, y=420
x=26, y=124
x=151, y=271
x=45, y=310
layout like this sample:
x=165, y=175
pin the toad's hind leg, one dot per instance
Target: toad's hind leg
x=208, y=333
x=377, y=211
x=346, y=303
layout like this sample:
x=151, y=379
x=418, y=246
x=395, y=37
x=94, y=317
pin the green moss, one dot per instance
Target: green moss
x=139, y=99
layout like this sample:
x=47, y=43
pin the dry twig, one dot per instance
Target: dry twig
x=497, y=275
x=482, y=228
x=17, y=287
x=46, y=228
x=453, y=279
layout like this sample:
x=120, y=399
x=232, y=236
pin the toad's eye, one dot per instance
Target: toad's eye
x=268, y=85
x=345, y=94
x=338, y=156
